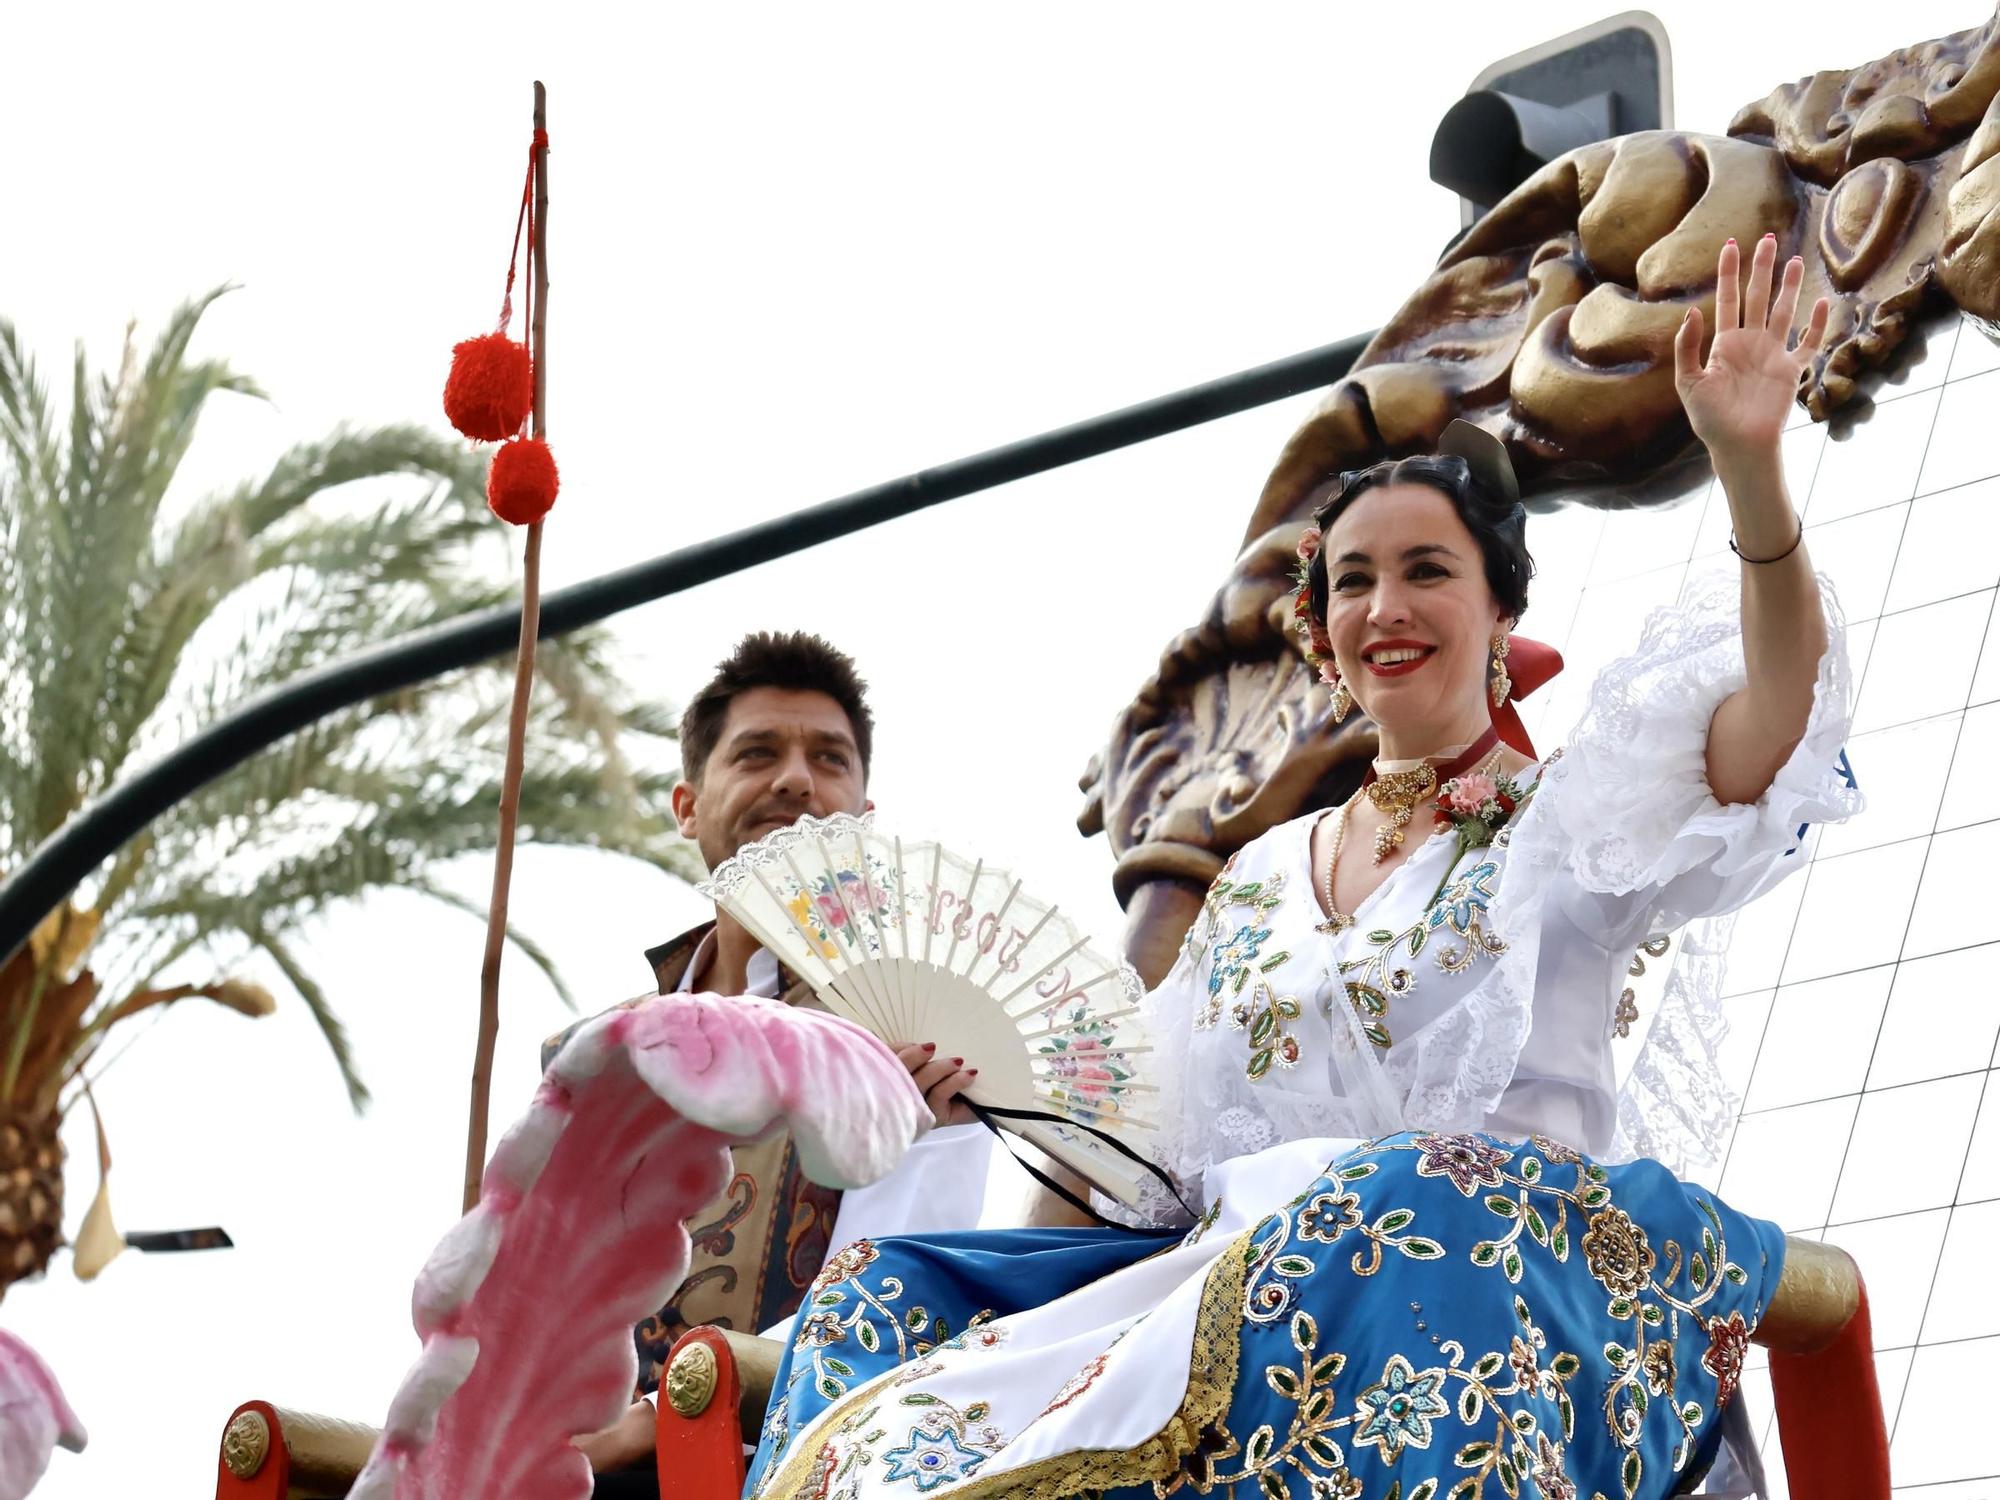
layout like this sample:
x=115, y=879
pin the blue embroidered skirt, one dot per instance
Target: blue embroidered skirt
x=1432, y=1318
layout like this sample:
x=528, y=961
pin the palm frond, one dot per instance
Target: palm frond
x=330, y=1025
x=127, y=623
x=530, y=949
x=125, y=449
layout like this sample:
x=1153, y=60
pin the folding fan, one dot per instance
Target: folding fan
x=919, y=944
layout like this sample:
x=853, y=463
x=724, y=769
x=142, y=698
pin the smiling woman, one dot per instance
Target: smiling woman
x=1427, y=1257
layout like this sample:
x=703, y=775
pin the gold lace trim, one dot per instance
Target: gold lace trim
x=1212, y=1367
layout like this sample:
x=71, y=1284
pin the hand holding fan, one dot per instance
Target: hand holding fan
x=917, y=943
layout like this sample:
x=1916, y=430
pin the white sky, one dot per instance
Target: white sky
x=795, y=251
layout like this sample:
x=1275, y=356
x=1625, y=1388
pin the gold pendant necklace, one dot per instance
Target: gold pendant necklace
x=1397, y=794
x=1337, y=921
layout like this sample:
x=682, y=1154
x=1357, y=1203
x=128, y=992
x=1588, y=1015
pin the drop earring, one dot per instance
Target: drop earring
x=1502, y=683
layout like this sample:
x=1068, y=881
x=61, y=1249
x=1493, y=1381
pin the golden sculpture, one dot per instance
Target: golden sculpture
x=1551, y=323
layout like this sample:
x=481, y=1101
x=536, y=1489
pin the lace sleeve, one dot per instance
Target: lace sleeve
x=1626, y=838
x=1168, y=1011
x=1630, y=800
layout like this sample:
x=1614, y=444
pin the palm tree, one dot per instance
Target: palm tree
x=129, y=615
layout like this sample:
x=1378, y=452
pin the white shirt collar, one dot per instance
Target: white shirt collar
x=760, y=974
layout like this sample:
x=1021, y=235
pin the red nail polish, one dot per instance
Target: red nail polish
x=930, y=1046
x=972, y=1072
x=958, y=1062
x=1732, y=239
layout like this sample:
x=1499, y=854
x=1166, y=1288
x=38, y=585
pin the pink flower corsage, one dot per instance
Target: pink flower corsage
x=1477, y=806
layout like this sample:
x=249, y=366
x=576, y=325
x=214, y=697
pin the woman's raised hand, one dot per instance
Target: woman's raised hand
x=1739, y=402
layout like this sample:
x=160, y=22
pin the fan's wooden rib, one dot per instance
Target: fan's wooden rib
x=999, y=923
x=904, y=978
x=965, y=903
x=867, y=972
x=769, y=939
x=1033, y=933
x=1138, y=1088
x=937, y=869
x=1014, y=994
x=866, y=1012
x=1110, y=1049
x=1069, y=1026
x=1098, y=1118
x=1027, y=1008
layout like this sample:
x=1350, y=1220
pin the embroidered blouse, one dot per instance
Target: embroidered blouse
x=1479, y=990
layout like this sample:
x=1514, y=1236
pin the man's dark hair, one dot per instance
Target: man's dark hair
x=796, y=661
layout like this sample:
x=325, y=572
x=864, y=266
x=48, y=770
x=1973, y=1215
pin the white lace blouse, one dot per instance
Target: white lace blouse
x=1493, y=1007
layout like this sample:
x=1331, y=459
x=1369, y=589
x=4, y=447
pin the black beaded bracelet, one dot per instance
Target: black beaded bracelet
x=1761, y=561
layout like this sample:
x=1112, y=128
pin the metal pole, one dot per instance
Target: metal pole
x=80, y=845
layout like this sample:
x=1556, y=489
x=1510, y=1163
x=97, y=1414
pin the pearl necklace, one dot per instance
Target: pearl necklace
x=1399, y=807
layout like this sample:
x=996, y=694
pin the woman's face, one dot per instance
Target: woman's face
x=1408, y=610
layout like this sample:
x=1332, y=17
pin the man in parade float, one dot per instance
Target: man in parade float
x=782, y=731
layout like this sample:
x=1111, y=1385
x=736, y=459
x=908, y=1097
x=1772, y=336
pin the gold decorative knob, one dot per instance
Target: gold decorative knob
x=691, y=1380
x=246, y=1444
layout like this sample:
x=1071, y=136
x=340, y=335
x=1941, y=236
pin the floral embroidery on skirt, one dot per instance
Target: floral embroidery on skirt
x=1434, y=1318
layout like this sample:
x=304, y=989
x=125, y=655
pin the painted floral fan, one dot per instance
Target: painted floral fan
x=917, y=943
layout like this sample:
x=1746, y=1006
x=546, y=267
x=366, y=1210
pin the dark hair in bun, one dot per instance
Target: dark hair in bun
x=1498, y=524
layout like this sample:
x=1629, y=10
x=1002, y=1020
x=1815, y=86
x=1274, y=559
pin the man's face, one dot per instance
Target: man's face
x=782, y=753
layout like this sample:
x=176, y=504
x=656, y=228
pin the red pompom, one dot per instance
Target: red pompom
x=521, y=485
x=491, y=387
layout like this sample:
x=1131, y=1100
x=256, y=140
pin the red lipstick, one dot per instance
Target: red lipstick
x=1425, y=651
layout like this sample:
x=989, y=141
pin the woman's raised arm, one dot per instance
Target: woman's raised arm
x=1738, y=403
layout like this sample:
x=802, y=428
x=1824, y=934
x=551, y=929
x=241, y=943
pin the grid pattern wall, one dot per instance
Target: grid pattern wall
x=1866, y=989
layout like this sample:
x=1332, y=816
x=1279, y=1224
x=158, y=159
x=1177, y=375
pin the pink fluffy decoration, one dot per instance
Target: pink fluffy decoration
x=34, y=1418
x=526, y=1306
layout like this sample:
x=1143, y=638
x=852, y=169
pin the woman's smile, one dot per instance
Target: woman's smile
x=1396, y=658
